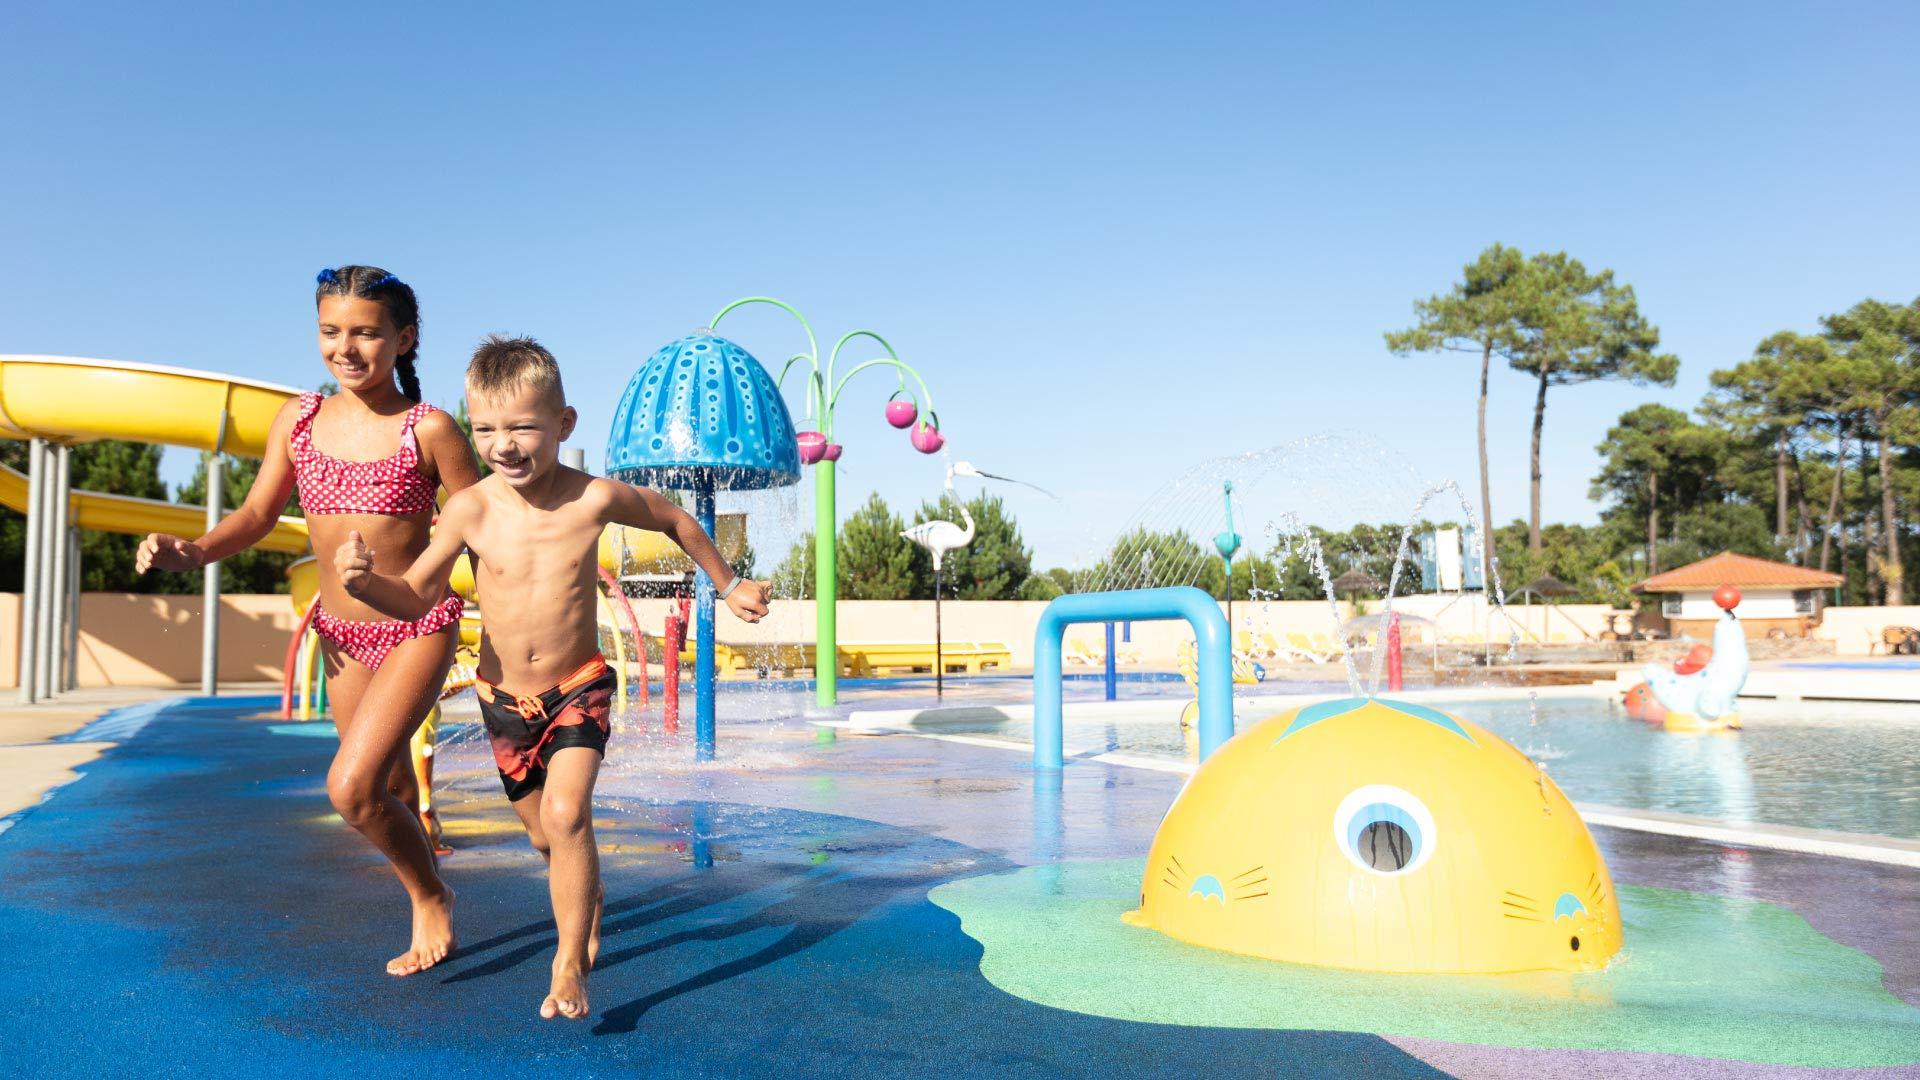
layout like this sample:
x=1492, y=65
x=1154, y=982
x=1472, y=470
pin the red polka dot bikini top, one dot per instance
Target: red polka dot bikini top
x=329, y=485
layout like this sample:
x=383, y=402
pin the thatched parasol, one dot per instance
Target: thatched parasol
x=1355, y=582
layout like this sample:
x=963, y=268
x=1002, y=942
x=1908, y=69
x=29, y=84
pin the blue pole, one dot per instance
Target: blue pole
x=703, y=724
x=1113, y=676
x=1200, y=611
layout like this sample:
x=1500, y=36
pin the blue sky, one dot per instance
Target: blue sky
x=1117, y=239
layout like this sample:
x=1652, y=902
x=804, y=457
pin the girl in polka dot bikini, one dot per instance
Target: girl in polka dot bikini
x=366, y=460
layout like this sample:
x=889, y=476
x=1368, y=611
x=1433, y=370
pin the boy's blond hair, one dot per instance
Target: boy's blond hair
x=502, y=365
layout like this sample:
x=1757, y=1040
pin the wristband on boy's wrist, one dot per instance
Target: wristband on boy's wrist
x=728, y=591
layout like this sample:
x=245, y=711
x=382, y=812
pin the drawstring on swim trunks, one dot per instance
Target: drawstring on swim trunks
x=530, y=707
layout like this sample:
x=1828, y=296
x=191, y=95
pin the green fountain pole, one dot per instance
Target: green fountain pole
x=823, y=394
x=826, y=586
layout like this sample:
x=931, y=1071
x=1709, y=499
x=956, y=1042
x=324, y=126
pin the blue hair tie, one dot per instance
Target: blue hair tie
x=385, y=281
x=326, y=277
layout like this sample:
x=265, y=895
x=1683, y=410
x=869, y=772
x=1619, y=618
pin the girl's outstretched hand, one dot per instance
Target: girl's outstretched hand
x=748, y=601
x=162, y=552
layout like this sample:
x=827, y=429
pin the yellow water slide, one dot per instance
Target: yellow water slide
x=70, y=400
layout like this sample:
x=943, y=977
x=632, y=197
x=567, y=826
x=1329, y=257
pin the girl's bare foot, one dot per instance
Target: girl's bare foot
x=567, y=997
x=432, y=935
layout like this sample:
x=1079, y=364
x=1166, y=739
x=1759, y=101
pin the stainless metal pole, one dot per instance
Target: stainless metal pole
x=54, y=663
x=210, y=592
x=43, y=619
x=30, y=576
x=71, y=677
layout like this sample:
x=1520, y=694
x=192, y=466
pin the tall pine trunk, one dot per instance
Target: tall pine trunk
x=1539, y=419
x=1653, y=523
x=1869, y=532
x=1780, y=486
x=1891, y=570
x=1486, y=490
x=1833, y=499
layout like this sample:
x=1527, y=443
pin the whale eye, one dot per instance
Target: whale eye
x=1384, y=829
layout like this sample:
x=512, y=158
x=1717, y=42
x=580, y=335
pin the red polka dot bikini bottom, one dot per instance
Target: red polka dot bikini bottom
x=370, y=642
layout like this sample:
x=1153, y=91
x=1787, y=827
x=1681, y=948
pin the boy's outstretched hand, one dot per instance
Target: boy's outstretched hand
x=748, y=601
x=354, y=563
x=162, y=552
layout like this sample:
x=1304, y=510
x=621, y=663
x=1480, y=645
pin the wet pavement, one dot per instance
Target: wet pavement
x=190, y=907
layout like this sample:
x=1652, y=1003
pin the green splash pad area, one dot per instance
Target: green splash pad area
x=1700, y=975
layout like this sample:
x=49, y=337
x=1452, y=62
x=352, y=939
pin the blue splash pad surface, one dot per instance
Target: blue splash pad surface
x=189, y=907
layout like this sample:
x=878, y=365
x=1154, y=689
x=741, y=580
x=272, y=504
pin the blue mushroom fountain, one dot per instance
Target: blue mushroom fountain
x=702, y=415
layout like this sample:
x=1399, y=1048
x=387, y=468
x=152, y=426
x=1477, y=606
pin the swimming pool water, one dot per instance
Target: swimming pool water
x=1853, y=768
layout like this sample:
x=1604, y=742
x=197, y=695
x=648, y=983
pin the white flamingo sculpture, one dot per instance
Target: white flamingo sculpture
x=940, y=537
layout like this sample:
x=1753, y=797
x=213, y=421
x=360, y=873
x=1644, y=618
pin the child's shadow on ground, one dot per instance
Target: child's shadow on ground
x=812, y=902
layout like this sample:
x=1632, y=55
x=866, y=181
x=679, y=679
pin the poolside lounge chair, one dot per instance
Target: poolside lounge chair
x=1078, y=651
x=1332, y=647
x=1308, y=649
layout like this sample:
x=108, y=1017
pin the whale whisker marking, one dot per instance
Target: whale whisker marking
x=1176, y=863
x=1522, y=907
x=1169, y=884
x=1523, y=918
x=1255, y=870
x=1250, y=896
x=1249, y=884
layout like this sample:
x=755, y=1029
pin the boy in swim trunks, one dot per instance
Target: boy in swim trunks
x=534, y=527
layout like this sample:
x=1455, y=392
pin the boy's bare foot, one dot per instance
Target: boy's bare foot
x=567, y=998
x=432, y=936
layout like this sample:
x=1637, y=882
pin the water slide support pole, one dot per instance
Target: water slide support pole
x=54, y=663
x=29, y=666
x=210, y=587
x=72, y=673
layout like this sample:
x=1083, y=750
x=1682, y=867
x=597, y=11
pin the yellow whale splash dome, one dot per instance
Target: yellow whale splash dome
x=1380, y=836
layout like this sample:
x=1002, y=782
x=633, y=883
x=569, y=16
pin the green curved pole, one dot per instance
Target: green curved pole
x=823, y=394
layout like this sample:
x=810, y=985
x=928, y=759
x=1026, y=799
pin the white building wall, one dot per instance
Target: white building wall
x=1754, y=604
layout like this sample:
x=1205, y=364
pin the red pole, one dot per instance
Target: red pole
x=670, y=673
x=633, y=623
x=293, y=661
x=1393, y=652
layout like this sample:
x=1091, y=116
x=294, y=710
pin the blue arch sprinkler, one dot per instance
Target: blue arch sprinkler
x=702, y=415
x=1227, y=544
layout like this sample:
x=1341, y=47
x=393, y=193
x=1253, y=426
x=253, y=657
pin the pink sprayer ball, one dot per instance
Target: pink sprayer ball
x=1726, y=597
x=832, y=452
x=902, y=414
x=813, y=447
x=927, y=439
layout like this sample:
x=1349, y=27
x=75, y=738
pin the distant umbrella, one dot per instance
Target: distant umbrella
x=1354, y=582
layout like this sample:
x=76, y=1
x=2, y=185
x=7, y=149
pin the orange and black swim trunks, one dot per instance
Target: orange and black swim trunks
x=525, y=730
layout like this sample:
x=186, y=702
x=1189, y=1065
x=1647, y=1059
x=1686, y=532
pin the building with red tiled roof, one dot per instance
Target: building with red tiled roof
x=1776, y=599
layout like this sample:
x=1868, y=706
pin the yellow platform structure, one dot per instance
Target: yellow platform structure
x=1380, y=835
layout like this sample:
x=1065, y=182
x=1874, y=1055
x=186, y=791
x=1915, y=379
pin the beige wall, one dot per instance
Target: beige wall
x=135, y=640
x=1012, y=623
x=1854, y=629
x=128, y=639
x=10, y=641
